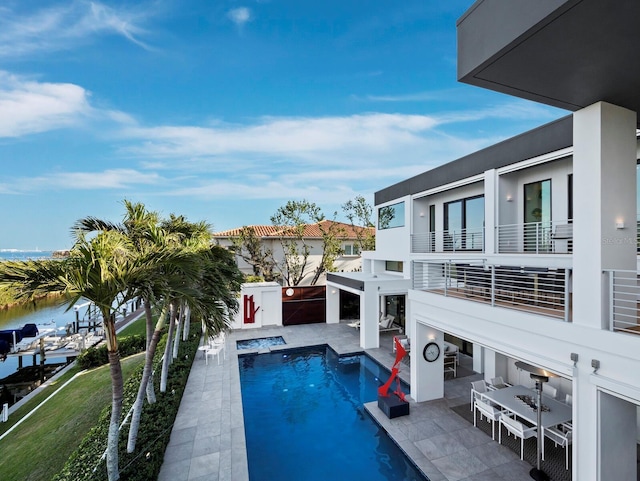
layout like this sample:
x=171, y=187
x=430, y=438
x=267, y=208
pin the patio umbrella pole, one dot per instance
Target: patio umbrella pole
x=540, y=376
x=537, y=473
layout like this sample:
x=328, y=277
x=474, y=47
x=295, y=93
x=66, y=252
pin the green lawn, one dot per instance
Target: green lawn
x=138, y=327
x=39, y=447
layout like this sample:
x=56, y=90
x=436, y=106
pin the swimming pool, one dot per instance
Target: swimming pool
x=304, y=419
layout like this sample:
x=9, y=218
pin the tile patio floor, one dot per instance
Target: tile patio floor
x=207, y=440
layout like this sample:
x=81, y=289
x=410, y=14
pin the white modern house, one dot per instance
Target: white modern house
x=527, y=250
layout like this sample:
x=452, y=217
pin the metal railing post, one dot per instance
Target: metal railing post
x=611, y=275
x=567, y=295
x=447, y=276
x=493, y=284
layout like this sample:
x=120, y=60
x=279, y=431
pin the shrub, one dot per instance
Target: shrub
x=155, y=427
x=97, y=356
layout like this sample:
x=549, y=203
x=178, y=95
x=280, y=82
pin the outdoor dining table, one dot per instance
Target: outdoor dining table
x=557, y=413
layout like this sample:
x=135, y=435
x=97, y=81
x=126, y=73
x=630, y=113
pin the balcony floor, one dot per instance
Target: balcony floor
x=550, y=306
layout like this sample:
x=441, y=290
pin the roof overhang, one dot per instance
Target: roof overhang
x=358, y=280
x=565, y=53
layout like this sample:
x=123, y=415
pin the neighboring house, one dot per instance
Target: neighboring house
x=271, y=236
x=527, y=250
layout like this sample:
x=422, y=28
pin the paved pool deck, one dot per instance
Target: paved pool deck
x=207, y=441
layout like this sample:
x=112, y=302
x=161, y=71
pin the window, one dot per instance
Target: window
x=351, y=250
x=393, y=266
x=391, y=216
x=570, y=198
x=464, y=224
x=432, y=228
x=537, y=216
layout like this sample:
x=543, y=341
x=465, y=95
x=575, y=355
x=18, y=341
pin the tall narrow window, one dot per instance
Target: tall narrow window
x=570, y=198
x=432, y=228
x=537, y=216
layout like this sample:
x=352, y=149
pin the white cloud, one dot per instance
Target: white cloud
x=272, y=136
x=27, y=106
x=61, y=26
x=104, y=180
x=240, y=15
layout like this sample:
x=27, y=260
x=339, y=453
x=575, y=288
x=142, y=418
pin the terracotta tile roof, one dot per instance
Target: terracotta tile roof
x=311, y=230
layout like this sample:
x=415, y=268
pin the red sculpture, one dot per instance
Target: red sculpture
x=384, y=389
x=249, y=310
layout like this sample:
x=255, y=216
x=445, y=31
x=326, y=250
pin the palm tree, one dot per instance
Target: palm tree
x=156, y=247
x=99, y=270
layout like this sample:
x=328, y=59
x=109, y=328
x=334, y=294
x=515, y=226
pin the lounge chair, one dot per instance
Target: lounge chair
x=386, y=324
x=355, y=324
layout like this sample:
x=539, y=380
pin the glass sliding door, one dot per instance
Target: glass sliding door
x=537, y=216
x=453, y=226
x=464, y=224
x=474, y=223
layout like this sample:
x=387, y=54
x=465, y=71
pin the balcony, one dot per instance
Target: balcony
x=623, y=306
x=542, y=291
x=551, y=237
x=462, y=240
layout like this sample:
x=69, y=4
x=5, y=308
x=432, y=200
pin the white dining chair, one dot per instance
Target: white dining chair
x=492, y=414
x=518, y=430
x=498, y=383
x=562, y=438
x=477, y=388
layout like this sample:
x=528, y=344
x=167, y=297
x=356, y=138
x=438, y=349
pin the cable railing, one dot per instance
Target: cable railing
x=623, y=300
x=452, y=240
x=548, y=237
x=543, y=291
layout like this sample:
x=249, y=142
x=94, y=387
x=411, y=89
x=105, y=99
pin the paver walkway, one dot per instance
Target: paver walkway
x=208, y=443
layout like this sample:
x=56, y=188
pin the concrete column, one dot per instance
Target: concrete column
x=478, y=358
x=495, y=364
x=490, y=210
x=369, y=316
x=427, y=378
x=604, y=189
x=332, y=304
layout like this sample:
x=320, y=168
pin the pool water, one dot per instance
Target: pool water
x=305, y=421
x=260, y=343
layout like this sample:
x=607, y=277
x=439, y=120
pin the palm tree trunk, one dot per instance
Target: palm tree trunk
x=137, y=405
x=151, y=394
x=187, y=324
x=176, y=338
x=167, y=349
x=117, y=389
x=149, y=320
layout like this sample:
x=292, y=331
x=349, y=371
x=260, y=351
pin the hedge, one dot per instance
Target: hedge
x=97, y=356
x=155, y=426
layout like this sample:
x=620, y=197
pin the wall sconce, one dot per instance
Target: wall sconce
x=574, y=358
x=509, y=198
x=595, y=364
x=421, y=214
x=619, y=224
x=431, y=337
x=333, y=291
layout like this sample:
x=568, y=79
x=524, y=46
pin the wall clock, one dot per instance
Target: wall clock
x=431, y=352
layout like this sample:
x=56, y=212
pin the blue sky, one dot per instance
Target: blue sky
x=225, y=110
